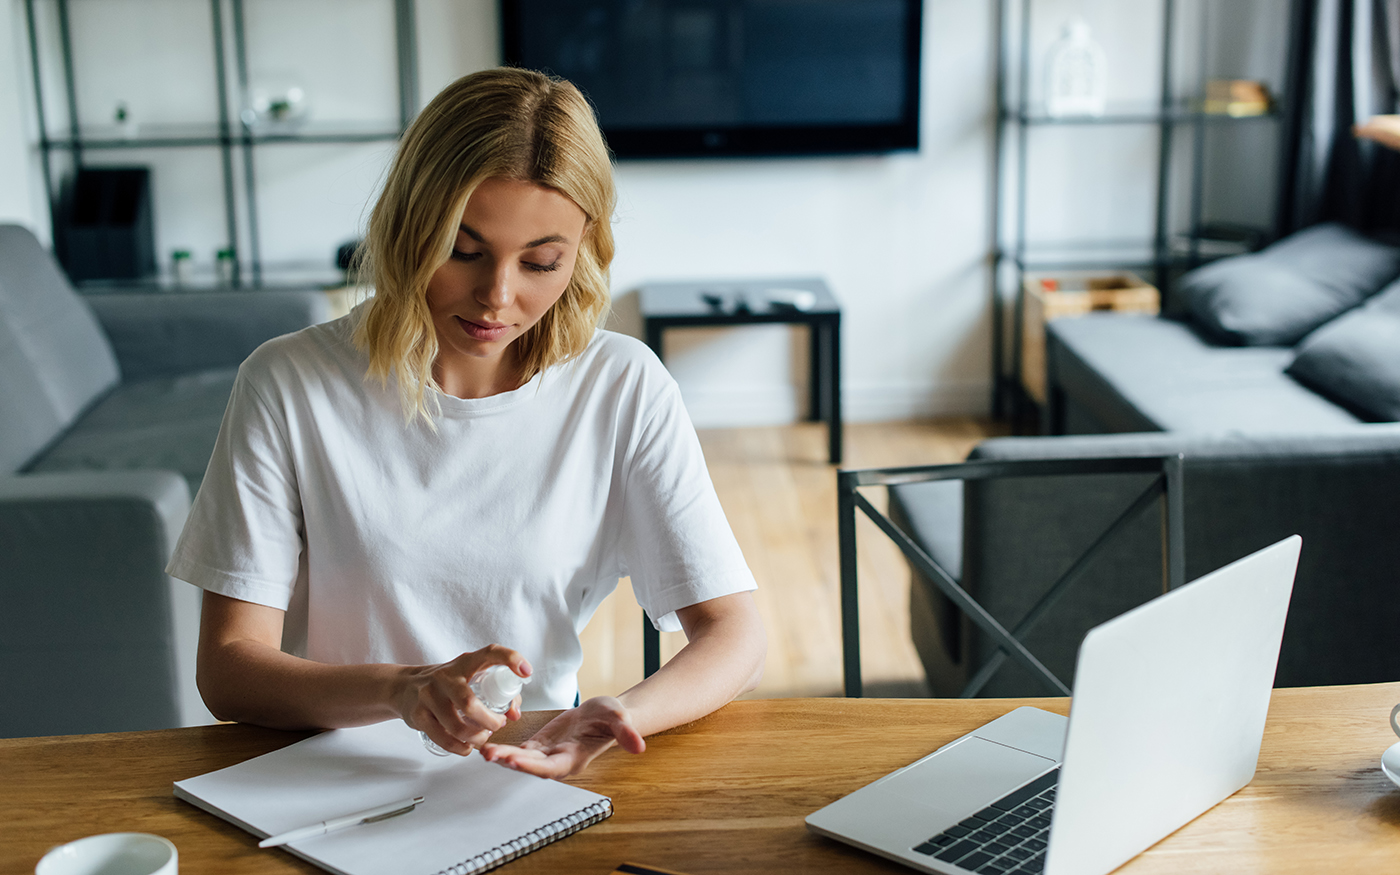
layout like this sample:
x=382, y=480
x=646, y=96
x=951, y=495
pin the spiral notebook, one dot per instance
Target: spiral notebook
x=475, y=816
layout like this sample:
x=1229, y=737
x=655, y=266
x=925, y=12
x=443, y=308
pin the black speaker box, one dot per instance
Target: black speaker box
x=106, y=231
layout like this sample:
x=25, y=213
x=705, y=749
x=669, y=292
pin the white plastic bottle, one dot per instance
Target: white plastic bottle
x=1076, y=82
x=496, y=686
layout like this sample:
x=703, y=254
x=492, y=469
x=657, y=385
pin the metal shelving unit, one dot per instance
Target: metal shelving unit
x=234, y=140
x=1163, y=256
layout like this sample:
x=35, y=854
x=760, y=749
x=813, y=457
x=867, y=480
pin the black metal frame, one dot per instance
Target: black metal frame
x=1167, y=486
x=228, y=135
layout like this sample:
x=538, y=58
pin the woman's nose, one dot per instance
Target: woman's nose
x=495, y=291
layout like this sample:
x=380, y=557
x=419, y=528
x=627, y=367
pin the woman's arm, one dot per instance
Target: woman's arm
x=243, y=675
x=723, y=658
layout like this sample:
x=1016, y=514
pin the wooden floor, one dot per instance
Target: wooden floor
x=780, y=496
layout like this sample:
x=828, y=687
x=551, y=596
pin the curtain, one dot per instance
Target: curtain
x=1345, y=68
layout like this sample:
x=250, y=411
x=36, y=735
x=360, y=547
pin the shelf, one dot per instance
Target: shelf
x=326, y=132
x=1129, y=115
x=275, y=278
x=1084, y=256
x=174, y=136
x=1108, y=257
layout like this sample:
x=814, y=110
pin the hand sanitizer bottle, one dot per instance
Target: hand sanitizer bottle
x=496, y=686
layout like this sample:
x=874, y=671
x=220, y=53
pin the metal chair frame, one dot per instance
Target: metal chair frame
x=651, y=648
x=1167, y=487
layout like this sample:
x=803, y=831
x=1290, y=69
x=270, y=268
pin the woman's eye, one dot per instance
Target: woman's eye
x=541, y=268
x=465, y=256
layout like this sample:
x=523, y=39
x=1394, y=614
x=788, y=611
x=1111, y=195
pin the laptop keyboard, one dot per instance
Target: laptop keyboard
x=1007, y=836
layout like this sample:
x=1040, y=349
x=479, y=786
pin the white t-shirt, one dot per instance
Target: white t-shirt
x=387, y=542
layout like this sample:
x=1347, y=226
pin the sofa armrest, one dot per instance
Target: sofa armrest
x=96, y=638
x=165, y=334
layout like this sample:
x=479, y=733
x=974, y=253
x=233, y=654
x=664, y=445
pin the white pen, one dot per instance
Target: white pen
x=381, y=812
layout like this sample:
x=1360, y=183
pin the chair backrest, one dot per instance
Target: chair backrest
x=55, y=360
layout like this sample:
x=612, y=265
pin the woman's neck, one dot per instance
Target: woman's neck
x=471, y=377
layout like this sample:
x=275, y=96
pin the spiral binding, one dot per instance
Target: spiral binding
x=533, y=840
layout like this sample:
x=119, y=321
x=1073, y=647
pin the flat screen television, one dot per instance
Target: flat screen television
x=684, y=78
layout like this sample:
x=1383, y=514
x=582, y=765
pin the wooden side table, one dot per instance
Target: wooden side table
x=759, y=302
x=1071, y=293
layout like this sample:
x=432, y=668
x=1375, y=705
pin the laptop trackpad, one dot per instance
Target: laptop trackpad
x=960, y=775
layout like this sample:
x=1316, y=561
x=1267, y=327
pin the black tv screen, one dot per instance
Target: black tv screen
x=731, y=77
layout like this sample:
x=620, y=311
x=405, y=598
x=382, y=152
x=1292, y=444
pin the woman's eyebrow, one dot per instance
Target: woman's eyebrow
x=551, y=238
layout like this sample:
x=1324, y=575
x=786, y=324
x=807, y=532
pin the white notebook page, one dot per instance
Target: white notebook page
x=471, y=806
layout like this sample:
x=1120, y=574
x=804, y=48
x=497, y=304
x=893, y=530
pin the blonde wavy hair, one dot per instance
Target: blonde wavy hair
x=505, y=123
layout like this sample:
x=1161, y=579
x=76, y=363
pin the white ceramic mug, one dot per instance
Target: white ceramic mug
x=114, y=853
x=1395, y=712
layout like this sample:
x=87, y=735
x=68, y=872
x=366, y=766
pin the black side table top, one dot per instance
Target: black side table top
x=734, y=302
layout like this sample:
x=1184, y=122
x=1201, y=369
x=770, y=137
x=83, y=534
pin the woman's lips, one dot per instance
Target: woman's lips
x=479, y=331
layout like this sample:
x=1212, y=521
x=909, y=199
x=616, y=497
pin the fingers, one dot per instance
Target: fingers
x=438, y=700
x=496, y=654
x=472, y=725
x=532, y=762
x=628, y=738
x=456, y=725
x=618, y=722
x=437, y=735
x=569, y=742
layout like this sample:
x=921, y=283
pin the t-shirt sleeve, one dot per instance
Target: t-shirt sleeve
x=243, y=537
x=677, y=543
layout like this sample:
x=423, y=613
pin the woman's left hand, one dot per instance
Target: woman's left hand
x=568, y=743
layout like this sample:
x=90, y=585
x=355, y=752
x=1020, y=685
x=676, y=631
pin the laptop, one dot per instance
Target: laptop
x=1166, y=721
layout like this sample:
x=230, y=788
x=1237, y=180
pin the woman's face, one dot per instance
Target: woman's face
x=512, y=259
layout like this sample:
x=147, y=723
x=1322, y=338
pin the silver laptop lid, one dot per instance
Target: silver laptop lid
x=1164, y=724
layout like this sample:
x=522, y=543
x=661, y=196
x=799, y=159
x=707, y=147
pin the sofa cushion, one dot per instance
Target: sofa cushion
x=933, y=513
x=165, y=422
x=1355, y=358
x=1164, y=374
x=1275, y=297
x=54, y=356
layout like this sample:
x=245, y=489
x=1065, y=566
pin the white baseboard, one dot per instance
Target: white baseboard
x=891, y=402
x=739, y=406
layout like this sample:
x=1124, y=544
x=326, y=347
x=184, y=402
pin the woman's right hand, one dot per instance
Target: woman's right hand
x=436, y=699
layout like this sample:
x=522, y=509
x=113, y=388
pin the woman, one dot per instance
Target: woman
x=455, y=475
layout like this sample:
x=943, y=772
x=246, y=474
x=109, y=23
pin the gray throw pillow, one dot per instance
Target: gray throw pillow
x=1277, y=296
x=1354, y=360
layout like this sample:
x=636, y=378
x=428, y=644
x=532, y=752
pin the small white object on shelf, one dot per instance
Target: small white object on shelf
x=797, y=299
x=276, y=105
x=224, y=266
x=181, y=267
x=1076, y=74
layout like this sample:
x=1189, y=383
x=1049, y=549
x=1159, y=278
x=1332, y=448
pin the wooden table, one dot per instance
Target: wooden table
x=728, y=793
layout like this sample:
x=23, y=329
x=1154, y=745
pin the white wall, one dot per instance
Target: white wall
x=902, y=239
x=21, y=190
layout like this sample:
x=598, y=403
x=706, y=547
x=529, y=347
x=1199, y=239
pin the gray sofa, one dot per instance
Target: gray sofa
x=1274, y=378
x=109, y=407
